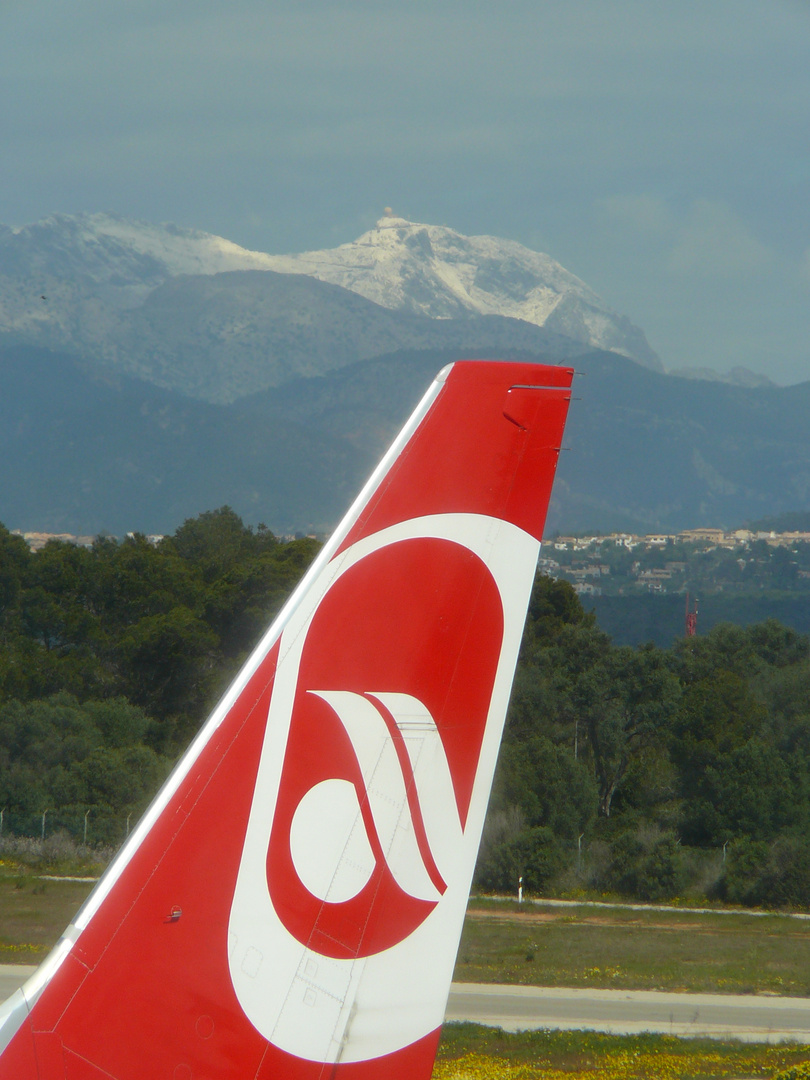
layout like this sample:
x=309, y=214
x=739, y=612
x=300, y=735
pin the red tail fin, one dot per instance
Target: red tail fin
x=290, y=906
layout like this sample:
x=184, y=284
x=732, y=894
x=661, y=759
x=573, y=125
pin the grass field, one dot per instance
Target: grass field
x=470, y=1052
x=611, y=948
x=642, y=950
x=579, y=946
x=33, y=914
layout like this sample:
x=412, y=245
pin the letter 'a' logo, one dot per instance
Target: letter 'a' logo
x=390, y=709
x=381, y=740
x=386, y=820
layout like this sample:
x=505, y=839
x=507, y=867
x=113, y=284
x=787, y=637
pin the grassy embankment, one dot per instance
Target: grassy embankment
x=621, y=949
x=614, y=948
x=34, y=910
x=611, y=948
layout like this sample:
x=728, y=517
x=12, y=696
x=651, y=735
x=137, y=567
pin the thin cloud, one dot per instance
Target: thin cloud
x=715, y=242
x=643, y=216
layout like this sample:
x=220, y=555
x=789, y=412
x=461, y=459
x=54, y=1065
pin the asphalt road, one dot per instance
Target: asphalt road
x=754, y=1019
x=13, y=976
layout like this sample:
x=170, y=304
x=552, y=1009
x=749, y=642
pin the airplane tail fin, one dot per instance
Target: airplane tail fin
x=290, y=905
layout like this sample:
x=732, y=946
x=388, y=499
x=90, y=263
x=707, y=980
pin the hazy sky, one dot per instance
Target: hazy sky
x=660, y=149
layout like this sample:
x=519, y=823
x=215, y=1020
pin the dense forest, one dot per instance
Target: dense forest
x=113, y=655
x=654, y=773
x=634, y=771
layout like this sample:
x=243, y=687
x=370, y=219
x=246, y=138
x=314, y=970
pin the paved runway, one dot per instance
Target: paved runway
x=13, y=976
x=754, y=1019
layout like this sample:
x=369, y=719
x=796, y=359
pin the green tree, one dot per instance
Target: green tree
x=68, y=758
x=167, y=663
x=718, y=716
x=548, y=784
x=646, y=864
x=14, y=558
x=626, y=700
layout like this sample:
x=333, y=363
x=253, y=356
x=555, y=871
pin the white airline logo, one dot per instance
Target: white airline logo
x=409, y=791
x=391, y=806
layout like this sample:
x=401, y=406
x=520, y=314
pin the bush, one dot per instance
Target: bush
x=647, y=865
x=776, y=874
x=743, y=871
x=58, y=853
x=533, y=854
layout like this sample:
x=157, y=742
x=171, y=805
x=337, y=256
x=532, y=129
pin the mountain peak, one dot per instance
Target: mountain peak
x=436, y=271
x=99, y=270
x=390, y=220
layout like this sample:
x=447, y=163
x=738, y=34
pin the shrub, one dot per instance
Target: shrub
x=533, y=854
x=646, y=864
x=776, y=874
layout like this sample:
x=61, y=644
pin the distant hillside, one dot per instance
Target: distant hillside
x=790, y=522
x=223, y=336
x=219, y=337
x=649, y=451
x=643, y=451
x=84, y=451
x=632, y=620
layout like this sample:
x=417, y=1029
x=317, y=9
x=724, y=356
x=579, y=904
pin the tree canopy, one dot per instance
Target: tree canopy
x=113, y=655
x=637, y=770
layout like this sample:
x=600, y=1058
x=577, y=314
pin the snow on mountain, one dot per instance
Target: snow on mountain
x=66, y=280
x=401, y=265
x=175, y=305
x=109, y=250
x=433, y=270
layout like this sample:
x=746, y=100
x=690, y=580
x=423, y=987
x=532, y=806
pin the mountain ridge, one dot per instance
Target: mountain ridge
x=84, y=450
x=134, y=295
x=224, y=336
x=436, y=271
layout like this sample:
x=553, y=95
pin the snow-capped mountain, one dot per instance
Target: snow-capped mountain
x=117, y=260
x=66, y=280
x=200, y=314
x=433, y=270
x=114, y=251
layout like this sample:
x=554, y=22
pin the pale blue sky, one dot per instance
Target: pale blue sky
x=660, y=150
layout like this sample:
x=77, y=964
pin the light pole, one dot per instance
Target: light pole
x=85, y=826
x=2, y=815
x=44, y=814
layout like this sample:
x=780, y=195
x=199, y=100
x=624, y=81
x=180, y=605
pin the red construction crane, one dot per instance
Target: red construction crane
x=691, y=618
